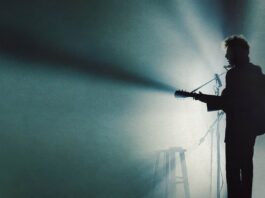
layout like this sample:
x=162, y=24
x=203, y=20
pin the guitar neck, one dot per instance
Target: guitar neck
x=185, y=94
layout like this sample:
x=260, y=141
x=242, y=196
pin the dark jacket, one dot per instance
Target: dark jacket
x=241, y=100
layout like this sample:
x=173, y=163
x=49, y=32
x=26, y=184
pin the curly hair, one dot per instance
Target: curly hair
x=235, y=41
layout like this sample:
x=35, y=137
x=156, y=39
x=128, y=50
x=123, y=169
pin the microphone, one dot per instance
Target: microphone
x=218, y=80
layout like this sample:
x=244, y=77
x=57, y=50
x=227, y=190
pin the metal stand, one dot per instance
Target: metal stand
x=218, y=150
x=167, y=159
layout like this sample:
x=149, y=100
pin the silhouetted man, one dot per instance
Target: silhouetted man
x=240, y=101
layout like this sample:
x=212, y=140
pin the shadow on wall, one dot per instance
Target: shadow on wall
x=23, y=46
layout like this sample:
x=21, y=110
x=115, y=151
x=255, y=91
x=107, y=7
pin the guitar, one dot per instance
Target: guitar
x=196, y=96
x=257, y=116
x=213, y=102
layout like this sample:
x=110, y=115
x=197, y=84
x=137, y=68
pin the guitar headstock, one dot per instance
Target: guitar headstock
x=184, y=94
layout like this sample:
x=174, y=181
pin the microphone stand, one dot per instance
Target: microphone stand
x=218, y=84
x=216, y=79
x=218, y=150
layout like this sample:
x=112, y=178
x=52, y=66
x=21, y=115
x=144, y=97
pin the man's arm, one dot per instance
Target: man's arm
x=214, y=103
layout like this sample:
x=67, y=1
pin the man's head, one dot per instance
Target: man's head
x=237, y=50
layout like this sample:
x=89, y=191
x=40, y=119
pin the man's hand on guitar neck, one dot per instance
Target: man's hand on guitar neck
x=201, y=97
x=213, y=102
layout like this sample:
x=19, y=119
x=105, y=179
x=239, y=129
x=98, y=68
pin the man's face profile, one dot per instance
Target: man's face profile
x=230, y=55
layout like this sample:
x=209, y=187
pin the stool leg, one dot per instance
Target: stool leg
x=173, y=182
x=155, y=172
x=167, y=173
x=184, y=174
